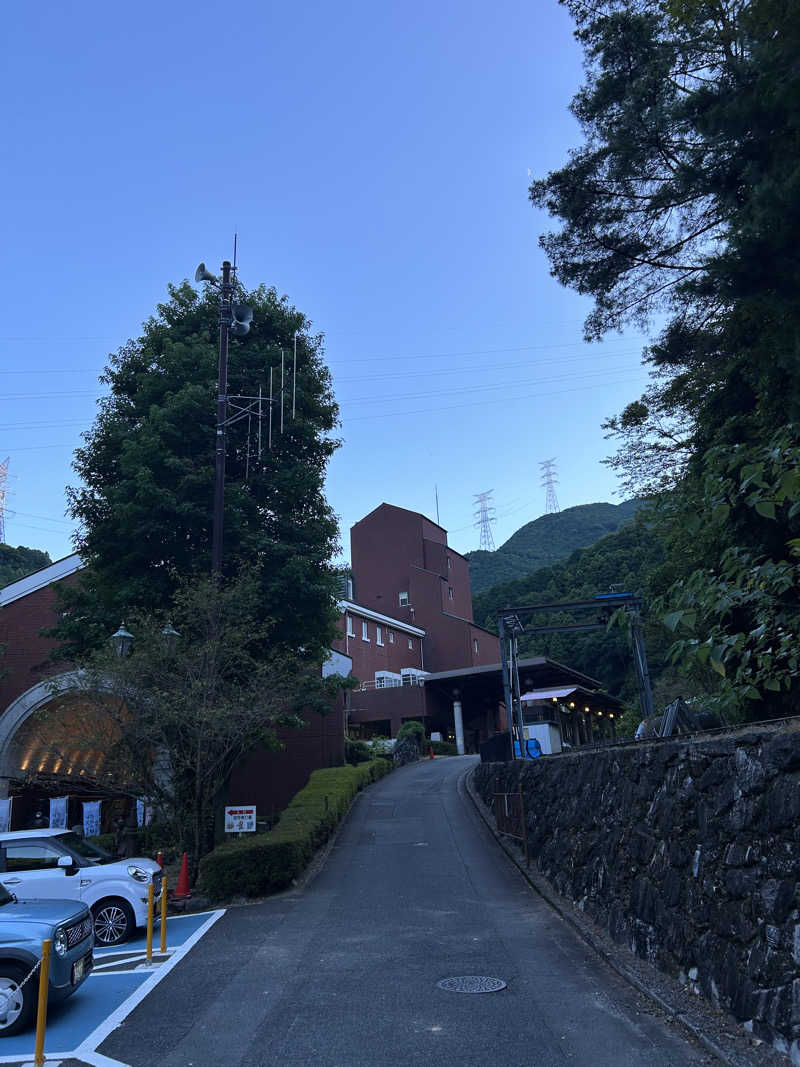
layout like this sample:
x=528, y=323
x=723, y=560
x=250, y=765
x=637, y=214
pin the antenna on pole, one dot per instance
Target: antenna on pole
x=3, y=483
x=549, y=481
x=436, y=492
x=294, y=376
x=484, y=518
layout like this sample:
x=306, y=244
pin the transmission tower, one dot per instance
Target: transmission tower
x=3, y=481
x=484, y=518
x=549, y=481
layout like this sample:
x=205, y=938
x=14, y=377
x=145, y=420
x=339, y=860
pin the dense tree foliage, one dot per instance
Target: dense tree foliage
x=147, y=473
x=17, y=562
x=173, y=720
x=682, y=207
x=546, y=540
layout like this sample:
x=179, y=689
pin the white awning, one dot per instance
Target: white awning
x=548, y=694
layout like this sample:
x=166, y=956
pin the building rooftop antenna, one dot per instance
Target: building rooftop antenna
x=549, y=481
x=484, y=517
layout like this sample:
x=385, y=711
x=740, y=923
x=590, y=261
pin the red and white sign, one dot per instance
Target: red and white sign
x=241, y=819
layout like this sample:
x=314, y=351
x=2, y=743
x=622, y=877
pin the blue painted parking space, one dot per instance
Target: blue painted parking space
x=121, y=979
x=179, y=929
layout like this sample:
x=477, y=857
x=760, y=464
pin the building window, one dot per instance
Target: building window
x=449, y=592
x=364, y=632
x=475, y=644
x=391, y=637
x=350, y=626
x=410, y=644
x=379, y=635
x=449, y=563
x=403, y=598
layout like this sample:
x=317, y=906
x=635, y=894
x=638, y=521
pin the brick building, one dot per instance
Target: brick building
x=27, y=606
x=418, y=654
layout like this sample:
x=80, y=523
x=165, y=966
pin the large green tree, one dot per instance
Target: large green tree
x=144, y=501
x=682, y=210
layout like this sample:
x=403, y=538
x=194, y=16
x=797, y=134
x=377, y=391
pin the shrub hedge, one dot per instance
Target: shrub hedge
x=267, y=863
x=444, y=748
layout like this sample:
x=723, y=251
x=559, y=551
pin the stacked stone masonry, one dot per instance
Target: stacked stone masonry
x=686, y=852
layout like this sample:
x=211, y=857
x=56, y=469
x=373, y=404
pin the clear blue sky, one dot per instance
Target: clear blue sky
x=375, y=159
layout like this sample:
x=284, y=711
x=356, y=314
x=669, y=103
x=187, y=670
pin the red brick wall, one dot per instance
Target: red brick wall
x=369, y=656
x=26, y=652
x=394, y=705
x=270, y=779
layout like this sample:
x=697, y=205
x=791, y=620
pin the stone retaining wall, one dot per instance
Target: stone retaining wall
x=687, y=852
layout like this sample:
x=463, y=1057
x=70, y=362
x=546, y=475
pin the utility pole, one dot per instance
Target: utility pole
x=3, y=483
x=233, y=319
x=225, y=298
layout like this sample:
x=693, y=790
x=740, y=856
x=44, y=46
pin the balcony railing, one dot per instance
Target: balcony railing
x=391, y=683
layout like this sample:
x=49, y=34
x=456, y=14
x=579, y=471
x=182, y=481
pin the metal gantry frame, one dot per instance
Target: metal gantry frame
x=511, y=626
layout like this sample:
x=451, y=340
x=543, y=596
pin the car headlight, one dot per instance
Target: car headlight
x=138, y=873
x=60, y=941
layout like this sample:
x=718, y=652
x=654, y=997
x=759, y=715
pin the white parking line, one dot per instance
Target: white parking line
x=86, y=1051
x=98, y=1036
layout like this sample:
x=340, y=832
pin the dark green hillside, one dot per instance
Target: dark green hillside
x=17, y=562
x=545, y=541
x=624, y=559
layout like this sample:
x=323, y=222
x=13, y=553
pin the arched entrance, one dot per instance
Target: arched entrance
x=57, y=739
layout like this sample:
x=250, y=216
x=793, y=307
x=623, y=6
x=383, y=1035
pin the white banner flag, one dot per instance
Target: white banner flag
x=58, y=813
x=5, y=814
x=144, y=813
x=91, y=818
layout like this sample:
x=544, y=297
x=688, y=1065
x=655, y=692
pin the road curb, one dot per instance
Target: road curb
x=707, y=1043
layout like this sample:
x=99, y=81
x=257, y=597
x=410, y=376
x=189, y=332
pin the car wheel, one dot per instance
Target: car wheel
x=113, y=921
x=17, y=1001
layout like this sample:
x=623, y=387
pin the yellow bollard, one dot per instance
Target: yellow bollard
x=150, y=895
x=163, y=916
x=41, y=1014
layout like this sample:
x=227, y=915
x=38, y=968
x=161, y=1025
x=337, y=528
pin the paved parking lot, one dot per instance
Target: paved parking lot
x=120, y=980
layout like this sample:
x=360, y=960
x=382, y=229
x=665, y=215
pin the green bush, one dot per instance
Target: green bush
x=356, y=752
x=444, y=748
x=268, y=863
x=415, y=730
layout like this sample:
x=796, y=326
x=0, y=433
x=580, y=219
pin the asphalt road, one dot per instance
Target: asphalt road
x=344, y=971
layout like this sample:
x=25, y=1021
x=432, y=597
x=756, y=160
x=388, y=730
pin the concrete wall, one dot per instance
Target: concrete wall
x=689, y=854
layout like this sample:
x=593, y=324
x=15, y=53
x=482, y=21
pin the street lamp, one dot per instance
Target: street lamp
x=170, y=638
x=121, y=641
x=233, y=319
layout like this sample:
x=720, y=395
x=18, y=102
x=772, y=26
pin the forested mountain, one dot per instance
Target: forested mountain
x=624, y=559
x=17, y=562
x=546, y=540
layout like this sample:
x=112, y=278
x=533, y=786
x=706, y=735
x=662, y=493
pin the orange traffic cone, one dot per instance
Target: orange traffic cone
x=160, y=859
x=182, y=890
x=431, y=755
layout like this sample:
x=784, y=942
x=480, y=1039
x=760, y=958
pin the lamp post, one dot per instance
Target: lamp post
x=170, y=638
x=121, y=641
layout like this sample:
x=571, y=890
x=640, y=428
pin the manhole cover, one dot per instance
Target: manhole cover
x=472, y=983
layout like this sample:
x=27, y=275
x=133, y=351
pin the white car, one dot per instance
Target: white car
x=59, y=864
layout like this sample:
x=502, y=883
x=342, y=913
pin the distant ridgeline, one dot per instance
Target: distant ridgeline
x=17, y=562
x=624, y=559
x=546, y=540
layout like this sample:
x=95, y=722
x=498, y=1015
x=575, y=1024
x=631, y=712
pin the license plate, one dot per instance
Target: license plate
x=80, y=968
